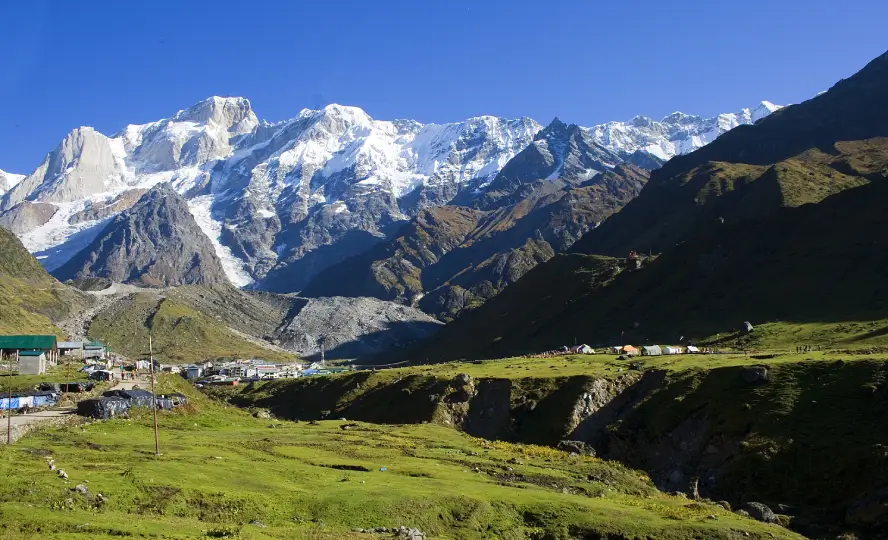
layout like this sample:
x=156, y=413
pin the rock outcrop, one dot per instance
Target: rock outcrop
x=27, y=216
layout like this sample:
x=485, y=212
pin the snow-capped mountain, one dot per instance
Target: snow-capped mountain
x=8, y=181
x=677, y=133
x=283, y=201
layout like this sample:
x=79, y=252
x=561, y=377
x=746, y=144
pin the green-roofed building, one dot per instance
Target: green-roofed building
x=11, y=345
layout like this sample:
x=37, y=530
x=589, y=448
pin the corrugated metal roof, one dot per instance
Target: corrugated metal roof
x=31, y=353
x=43, y=343
x=70, y=344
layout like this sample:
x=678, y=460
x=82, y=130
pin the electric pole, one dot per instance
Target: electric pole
x=153, y=396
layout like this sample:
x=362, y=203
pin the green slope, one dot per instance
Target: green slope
x=31, y=299
x=223, y=473
x=180, y=332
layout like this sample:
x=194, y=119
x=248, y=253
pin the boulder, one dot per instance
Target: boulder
x=755, y=374
x=463, y=379
x=408, y=533
x=82, y=489
x=747, y=328
x=761, y=512
x=262, y=414
x=578, y=447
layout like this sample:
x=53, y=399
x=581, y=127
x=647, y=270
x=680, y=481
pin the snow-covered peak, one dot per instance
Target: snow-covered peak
x=9, y=181
x=270, y=193
x=764, y=109
x=676, y=133
x=223, y=112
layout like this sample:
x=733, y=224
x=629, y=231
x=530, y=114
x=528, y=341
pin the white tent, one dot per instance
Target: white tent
x=691, y=349
x=672, y=350
x=584, y=349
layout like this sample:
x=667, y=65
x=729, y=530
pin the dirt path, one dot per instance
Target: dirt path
x=24, y=423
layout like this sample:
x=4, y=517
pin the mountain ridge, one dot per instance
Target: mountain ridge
x=281, y=201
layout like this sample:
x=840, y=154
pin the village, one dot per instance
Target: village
x=52, y=369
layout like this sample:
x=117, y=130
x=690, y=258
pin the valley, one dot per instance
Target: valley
x=490, y=328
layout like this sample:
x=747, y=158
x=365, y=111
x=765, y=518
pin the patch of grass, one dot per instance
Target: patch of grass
x=54, y=374
x=221, y=471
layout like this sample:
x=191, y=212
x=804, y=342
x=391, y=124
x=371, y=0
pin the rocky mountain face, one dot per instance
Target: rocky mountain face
x=156, y=243
x=760, y=225
x=281, y=202
x=453, y=258
x=352, y=327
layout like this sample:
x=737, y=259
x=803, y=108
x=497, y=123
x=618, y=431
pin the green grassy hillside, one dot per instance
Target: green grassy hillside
x=817, y=265
x=179, y=332
x=223, y=473
x=802, y=437
x=31, y=299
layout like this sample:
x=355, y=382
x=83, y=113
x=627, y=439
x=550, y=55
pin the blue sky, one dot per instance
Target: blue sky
x=107, y=64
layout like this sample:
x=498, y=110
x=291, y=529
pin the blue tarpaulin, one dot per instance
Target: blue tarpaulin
x=9, y=403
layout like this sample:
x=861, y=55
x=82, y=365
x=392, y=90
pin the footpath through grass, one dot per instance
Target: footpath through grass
x=223, y=473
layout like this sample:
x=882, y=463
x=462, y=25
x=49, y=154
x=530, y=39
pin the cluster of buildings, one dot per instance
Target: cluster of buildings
x=33, y=354
x=248, y=370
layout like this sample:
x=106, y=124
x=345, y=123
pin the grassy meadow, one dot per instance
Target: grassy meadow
x=224, y=473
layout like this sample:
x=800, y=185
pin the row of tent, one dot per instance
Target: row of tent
x=31, y=400
x=655, y=350
x=117, y=402
x=46, y=395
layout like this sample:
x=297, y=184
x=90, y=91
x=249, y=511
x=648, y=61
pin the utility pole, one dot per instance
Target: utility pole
x=153, y=396
x=9, y=402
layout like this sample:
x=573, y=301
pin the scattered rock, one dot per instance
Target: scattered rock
x=742, y=513
x=262, y=414
x=747, y=328
x=755, y=374
x=63, y=474
x=761, y=512
x=82, y=489
x=578, y=447
x=258, y=523
x=408, y=533
x=346, y=427
x=724, y=504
